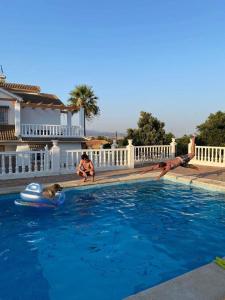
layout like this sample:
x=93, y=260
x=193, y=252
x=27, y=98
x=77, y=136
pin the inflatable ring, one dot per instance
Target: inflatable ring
x=32, y=196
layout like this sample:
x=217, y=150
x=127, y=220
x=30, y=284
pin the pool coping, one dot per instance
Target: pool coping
x=77, y=184
x=205, y=183
x=204, y=283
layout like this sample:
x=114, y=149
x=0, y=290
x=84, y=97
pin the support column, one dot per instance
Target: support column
x=130, y=154
x=69, y=119
x=55, y=151
x=173, y=145
x=17, y=119
x=22, y=158
x=82, y=121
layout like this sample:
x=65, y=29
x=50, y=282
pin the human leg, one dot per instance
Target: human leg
x=92, y=173
x=82, y=174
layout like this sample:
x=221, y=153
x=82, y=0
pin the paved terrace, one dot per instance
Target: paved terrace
x=210, y=176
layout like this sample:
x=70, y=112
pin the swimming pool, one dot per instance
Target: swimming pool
x=108, y=242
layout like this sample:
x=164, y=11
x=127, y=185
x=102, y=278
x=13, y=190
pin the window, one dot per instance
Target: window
x=4, y=114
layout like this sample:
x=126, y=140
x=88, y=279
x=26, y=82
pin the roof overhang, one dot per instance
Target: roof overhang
x=51, y=106
x=11, y=95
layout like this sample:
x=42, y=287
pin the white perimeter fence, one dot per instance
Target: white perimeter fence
x=57, y=161
x=209, y=156
x=107, y=159
x=24, y=164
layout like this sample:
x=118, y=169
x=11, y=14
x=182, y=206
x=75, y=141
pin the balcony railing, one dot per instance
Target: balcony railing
x=46, y=130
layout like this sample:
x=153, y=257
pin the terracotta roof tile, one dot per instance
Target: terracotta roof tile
x=39, y=98
x=39, y=146
x=31, y=94
x=7, y=133
x=95, y=144
x=20, y=87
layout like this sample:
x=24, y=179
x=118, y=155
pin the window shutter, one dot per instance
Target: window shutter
x=4, y=113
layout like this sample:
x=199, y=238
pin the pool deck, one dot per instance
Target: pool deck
x=204, y=283
x=207, y=177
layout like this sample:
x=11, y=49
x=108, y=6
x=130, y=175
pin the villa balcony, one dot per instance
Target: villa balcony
x=51, y=131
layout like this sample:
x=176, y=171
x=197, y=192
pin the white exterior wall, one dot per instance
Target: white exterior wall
x=68, y=146
x=11, y=105
x=4, y=96
x=40, y=116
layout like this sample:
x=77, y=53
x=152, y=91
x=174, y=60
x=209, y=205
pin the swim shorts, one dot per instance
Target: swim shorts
x=185, y=160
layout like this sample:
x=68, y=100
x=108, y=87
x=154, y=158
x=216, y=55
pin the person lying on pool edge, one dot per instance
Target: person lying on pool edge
x=179, y=161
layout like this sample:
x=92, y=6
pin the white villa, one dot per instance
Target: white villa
x=30, y=119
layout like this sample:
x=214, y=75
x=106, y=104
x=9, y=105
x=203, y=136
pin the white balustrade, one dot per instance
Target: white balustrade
x=54, y=161
x=22, y=164
x=209, y=156
x=102, y=158
x=152, y=153
x=46, y=130
x=115, y=158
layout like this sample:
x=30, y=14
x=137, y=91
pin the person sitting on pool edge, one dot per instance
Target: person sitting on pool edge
x=86, y=168
x=180, y=161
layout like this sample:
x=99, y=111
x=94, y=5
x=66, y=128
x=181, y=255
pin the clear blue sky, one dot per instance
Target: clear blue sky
x=162, y=56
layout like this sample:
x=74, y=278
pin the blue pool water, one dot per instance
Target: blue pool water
x=108, y=242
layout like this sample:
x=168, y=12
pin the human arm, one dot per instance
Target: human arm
x=164, y=171
x=92, y=168
x=152, y=168
x=79, y=168
x=192, y=153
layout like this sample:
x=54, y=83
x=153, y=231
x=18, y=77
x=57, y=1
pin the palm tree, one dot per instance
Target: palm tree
x=84, y=96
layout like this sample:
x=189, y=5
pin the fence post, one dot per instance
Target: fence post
x=173, y=145
x=17, y=119
x=55, y=150
x=130, y=154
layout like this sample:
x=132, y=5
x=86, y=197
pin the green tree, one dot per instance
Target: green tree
x=84, y=96
x=102, y=137
x=150, y=131
x=182, y=144
x=212, y=131
x=168, y=138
